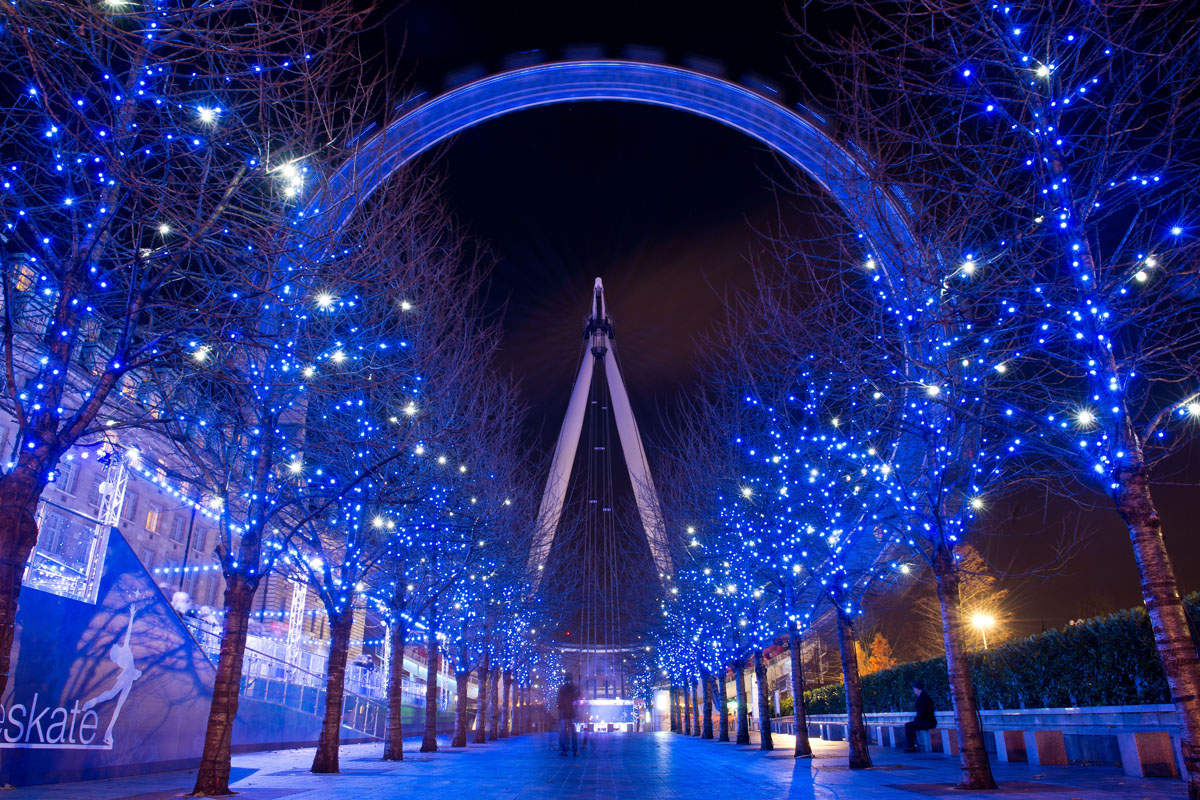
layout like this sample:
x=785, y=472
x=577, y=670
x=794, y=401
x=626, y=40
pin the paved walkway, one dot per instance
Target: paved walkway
x=636, y=766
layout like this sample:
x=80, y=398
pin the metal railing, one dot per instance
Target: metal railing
x=360, y=714
x=270, y=677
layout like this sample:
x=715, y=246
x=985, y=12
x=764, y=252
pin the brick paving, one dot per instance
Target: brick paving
x=643, y=766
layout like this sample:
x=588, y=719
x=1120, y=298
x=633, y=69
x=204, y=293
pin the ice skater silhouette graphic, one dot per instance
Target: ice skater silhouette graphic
x=120, y=654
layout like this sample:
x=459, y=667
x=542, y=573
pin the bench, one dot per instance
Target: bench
x=1150, y=754
x=1143, y=740
x=1144, y=754
x=880, y=735
x=931, y=741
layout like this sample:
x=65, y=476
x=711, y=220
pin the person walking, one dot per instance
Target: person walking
x=568, y=696
x=925, y=720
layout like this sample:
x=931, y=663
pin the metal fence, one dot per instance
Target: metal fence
x=267, y=676
x=361, y=714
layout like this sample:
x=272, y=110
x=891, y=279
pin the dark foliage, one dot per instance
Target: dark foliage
x=1104, y=661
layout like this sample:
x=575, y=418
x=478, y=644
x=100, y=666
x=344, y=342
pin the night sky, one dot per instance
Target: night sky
x=665, y=208
x=660, y=204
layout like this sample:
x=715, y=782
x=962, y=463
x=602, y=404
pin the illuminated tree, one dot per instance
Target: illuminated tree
x=151, y=153
x=496, y=576
x=886, y=460
x=353, y=464
x=455, y=549
x=1045, y=156
x=699, y=633
x=302, y=428
x=809, y=509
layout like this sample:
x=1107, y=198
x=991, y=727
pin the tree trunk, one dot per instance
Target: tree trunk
x=860, y=757
x=743, y=716
x=481, y=704
x=693, y=684
x=326, y=758
x=20, y=491
x=1168, y=619
x=494, y=707
x=706, y=683
x=674, y=700
x=393, y=742
x=687, y=707
x=799, y=715
x=723, y=699
x=461, y=677
x=429, y=739
x=976, y=771
x=505, y=705
x=212, y=778
x=765, y=741
x=518, y=712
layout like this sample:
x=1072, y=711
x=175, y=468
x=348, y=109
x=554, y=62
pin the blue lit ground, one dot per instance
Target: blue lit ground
x=634, y=766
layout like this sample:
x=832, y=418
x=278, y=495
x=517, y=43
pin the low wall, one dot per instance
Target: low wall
x=1090, y=736
x=1162, y=717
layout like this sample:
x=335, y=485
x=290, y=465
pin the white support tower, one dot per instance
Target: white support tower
x=296, y=610
x=112, y=501
x=598, y=336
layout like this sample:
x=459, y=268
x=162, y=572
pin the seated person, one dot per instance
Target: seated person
x=925, y=719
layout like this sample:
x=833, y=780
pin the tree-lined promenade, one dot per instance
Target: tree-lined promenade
x=331, y=400
x=1032, y=324
x=1028, y=317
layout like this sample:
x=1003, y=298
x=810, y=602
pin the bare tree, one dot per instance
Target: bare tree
x=457, y=549
x=1050, y=152
x=890, y=412
x=148, y=148
x=980, y=596
x=353, y=458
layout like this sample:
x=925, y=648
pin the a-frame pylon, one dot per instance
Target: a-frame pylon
x=597, y=337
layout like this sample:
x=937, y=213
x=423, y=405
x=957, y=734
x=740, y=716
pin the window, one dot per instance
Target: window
x=131, y=504
x=67, y=475
x=154, y=519
x=94, y=497
x=200, y=538
x=211, y=588
x=24, y=276
x=179, y=526
x=90, y=330
x=53, y=535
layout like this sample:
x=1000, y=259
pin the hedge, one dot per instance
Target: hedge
x=1105, y=661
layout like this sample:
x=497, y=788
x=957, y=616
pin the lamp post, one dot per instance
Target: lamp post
x=981, y=622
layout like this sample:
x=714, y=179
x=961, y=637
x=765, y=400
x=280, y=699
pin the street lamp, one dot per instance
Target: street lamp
x=981, y=622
